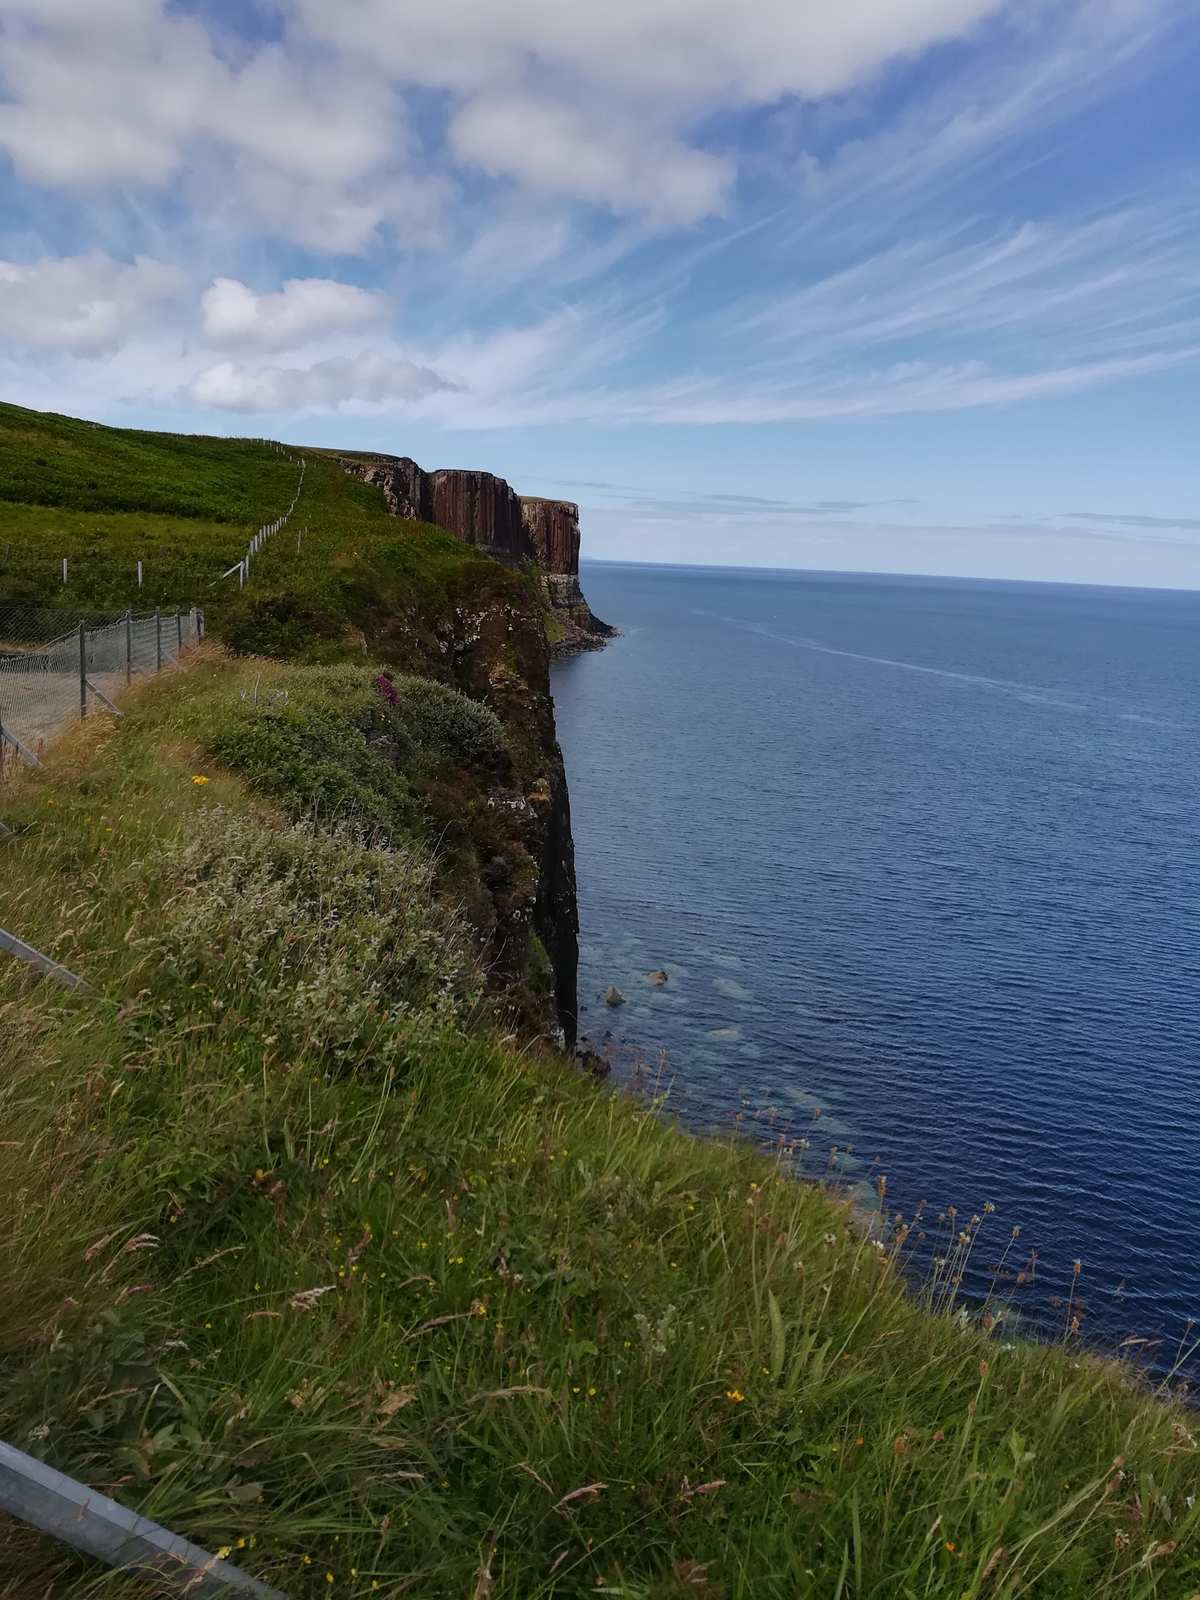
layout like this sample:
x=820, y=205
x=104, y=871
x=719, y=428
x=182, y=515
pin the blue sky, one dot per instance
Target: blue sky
x=903, y=286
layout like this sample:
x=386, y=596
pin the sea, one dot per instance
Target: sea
x=920, y=859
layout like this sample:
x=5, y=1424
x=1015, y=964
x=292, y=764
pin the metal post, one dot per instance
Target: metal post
x=64, y=559
x=82, y=670
x=178, y=633
x=241, y=575
x=158, y=637
x=139, y=574
x=128, y=648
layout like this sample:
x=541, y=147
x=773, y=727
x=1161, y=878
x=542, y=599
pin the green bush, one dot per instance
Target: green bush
x=328, y=749
x=448, y=726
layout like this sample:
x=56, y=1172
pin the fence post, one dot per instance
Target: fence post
x=129, y=647
x=65, y=569
x=242, y=574
x=82, y=670
x=139, y=574
x=158, y=637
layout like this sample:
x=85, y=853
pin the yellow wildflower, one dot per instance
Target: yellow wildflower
x=199, y=780
x=734, y=1396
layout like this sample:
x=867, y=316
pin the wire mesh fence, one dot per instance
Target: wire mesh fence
x=48, y=683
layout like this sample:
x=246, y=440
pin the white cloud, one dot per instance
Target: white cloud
x=140, y=94
x=359, y=382
x=557, y=149
x=304, y=308
x=82, y=304
x=724, y=52
x=598, y=103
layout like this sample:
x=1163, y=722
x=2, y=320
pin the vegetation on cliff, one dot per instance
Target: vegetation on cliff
x=315, y=1252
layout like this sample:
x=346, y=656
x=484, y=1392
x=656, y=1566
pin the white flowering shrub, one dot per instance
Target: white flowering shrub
x=330, y=942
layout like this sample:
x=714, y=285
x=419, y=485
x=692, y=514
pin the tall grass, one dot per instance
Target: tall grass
x=304, y=1261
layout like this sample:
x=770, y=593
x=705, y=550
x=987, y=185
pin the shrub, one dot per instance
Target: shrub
x=447, y=725
x=328, y=749
x=332, y=944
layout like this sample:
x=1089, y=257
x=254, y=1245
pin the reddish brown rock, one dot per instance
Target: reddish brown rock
x=482, y=510
x=553, y=527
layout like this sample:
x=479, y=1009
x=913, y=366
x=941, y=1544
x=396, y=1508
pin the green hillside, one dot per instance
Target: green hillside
x=186, y=507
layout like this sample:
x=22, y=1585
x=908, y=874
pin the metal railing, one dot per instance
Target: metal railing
x=46, y=687
x=98, y=1526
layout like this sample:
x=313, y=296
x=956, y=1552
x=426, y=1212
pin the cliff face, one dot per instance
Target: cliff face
x=406, y=486
x=498, y=649
x=553, y=528
x=484, y=511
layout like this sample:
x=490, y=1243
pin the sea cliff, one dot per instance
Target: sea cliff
x=484, y=511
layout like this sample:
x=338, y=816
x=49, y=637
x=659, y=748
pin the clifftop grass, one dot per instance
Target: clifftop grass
x=304, y=1261
x=106, y=498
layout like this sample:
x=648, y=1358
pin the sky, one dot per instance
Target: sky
x=881, y=285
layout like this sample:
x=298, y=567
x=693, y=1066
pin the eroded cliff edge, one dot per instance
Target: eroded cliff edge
x=486, y=512
x=508, y=617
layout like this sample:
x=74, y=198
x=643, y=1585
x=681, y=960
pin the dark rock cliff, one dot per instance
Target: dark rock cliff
x=553, y=529
x=484, y=511
x=513, y=840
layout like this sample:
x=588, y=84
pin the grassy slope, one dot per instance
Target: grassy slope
x=105, y=497
x=533, y=1288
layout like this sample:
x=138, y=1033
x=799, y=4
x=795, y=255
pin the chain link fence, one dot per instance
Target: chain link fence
x=47, y=683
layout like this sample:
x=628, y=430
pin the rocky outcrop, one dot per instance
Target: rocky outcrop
x=499, y=654
x=553, y=529
x=483, y=510
x=406, y=486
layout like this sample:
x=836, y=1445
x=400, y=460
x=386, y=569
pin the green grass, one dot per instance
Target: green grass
x=106, y=498
x=305, y=1259
x=57, y=461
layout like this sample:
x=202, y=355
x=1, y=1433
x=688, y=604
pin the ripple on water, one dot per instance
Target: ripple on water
x=950, y=831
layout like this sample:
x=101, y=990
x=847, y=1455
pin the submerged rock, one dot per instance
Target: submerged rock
x=613, y=996
x=658, y=977
x=589, y=1060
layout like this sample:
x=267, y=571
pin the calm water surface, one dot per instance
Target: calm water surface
x=924, y=854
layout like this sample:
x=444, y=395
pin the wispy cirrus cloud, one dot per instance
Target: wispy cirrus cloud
x=591, y=243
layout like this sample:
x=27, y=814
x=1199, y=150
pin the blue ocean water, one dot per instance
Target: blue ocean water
x=923, y=855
